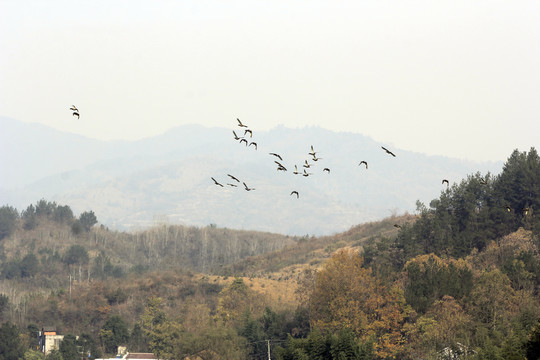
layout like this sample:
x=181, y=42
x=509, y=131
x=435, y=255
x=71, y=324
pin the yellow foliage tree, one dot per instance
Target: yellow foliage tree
x=347, y=295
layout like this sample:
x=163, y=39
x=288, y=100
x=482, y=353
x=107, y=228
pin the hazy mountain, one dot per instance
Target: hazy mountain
x=168, y=177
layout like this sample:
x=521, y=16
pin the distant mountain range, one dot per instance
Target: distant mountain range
x=133, y=184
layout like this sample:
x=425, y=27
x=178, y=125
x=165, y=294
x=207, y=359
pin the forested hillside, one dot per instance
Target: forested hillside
x=460, y=279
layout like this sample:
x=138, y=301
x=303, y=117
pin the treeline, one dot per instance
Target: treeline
x=46, y=240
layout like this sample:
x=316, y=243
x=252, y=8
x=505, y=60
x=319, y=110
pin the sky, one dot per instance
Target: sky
x=455, y=78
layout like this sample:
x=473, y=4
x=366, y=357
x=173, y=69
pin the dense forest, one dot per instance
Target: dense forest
x=460, y=279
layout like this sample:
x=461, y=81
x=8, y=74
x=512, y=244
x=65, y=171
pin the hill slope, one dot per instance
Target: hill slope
x=168, y=177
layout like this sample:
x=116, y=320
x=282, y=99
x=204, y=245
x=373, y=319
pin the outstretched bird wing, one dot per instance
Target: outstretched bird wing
x=388, y=151
x=215, y=181
x=276, y=155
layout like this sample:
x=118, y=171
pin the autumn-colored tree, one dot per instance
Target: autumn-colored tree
x=445, y=325
x=237, y=299
x=348, y=296
x=493, y=300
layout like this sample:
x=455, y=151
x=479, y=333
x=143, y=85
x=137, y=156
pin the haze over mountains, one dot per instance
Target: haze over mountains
x=168, y=177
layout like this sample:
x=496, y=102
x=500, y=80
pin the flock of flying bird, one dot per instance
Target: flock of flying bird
x=306, y=165
x=280, y=167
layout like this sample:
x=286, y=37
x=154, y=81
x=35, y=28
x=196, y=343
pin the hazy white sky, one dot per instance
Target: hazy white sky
x=458, y=78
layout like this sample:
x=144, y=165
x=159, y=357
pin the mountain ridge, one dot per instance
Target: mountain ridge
x=131, y=184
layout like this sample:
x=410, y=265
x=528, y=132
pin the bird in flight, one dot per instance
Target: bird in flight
x=316, y=158
x=253, y=143
x=215, y=181
x=244, y=140
x=247, y=188
x=232, y=177
x=363, y=162
x=445, y=181
x=248, y=131
x=76, y=114
x=326, y=169
x=483, y=182
x=276, y=155
x=306, y=174
x=398, y=226
x=234, y=185
x=312, y=152
x=306, y=165
x=508, y=208
x=388, y=151
x=295, y=172
x=526, y=211
x=73, y=108
x=240, y=123
x=280, y=166
x=295, y=193
x=236, y=136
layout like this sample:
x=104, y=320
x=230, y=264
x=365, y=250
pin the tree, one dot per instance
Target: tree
x=68, y=347
x=88, y=347
x=87, y=220
x=76, y=254
x=29, y=265
x=29, y=217
x=63, y=214
x=11, y=347
x=8, y=220
x=33, y=355
x=494, y=300
x=348, y=296
x=54, y=355
x=532, y=346
x=113, y=333
x=4, y=305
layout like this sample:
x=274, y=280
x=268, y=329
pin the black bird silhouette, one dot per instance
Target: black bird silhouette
x=248, y=131
x=363, y=162
x=236, y=136
x=280, y=166
x=74, y=108
x=232, y=185
x=232, y=177
x=483, y=182
x=326, y=169
x=276, y=155
x=247, y=188
x=253, y=143
x=240, y=123
x=388, y=151
x=76, y=114
x=244, y=140
x=296, y=193
x=445, y=181
x=215, y=181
